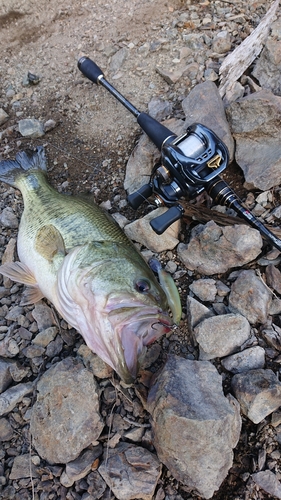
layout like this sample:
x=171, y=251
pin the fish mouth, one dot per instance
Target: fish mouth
x=135, y=328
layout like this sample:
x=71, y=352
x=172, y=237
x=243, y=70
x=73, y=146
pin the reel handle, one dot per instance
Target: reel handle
x=162, y=222
x=90, y=69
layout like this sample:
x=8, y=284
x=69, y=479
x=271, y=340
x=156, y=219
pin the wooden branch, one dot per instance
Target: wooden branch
x=203, y=215
x=240, y=59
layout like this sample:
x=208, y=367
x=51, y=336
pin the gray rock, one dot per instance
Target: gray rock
x=9, y=347
x=135, y=434
x=235, y=92
x=121, y=220
x=54, y=347
x=6, y=430
x=97, y=486
x=131, y=472
x=275, y=307
x=23, y=467
x=24, y=333
x=249, y=359
x=276, y=28
x=144, y=157
x=222, y=289
x=204, y=289
x=110, y=50
x=250, y=297
x=3, y=116
x=220, y=308
x=171, y=267
x=276, y=212
x=5, y=374
x=221, y=42
x=210, y=74
x=191, y=71
x=196, y=312
x=43, y=315
x=14, y=395
x=141, y=231
x=194, y=41
x=30, y=127
x=63, y=412
x=219, y=336
x=213, y=249
x=19, y=372
x=273, y=277
x=49, y=125
x=195, y=426
x=276, y=419
x=268, y=481
x=8, y=218
x=46, y=336
x=255, y=123
x=8, y=257
x=204, y=105
x=272, y=336
x=268, y=66
x=171, y=74
x=159, y=109
x=94, y=363
x=258, y=392
x=33, y=351
x=140, y=164
x=14, y=313
x=79, y=468
x=118, y=60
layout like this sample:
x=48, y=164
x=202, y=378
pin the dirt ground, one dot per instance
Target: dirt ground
x=94, y=135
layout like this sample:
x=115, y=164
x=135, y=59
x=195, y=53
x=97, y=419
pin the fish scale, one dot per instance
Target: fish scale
x=78, y=221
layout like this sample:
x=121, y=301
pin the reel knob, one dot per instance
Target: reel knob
x=138, y=197
x=161, y=223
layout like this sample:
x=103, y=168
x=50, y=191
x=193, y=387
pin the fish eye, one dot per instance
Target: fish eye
x=142, y=286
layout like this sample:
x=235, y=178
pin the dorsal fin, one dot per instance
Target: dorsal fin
x=49, y=242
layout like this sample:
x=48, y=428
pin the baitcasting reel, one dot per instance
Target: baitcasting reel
x=190, y=164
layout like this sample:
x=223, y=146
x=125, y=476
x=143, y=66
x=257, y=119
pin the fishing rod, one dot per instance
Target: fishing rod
x=189, y=164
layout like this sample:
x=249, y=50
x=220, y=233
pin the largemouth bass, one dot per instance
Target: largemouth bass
x=74, y=254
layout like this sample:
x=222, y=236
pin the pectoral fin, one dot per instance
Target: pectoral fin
x=17, y=271
x=49, y=242
x=31, y=295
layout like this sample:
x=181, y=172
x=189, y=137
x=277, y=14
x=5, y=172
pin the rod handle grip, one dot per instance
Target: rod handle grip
x=90, y=69
x=157, y=132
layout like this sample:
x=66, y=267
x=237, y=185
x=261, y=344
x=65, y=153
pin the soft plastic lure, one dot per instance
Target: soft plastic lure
x=168, y=285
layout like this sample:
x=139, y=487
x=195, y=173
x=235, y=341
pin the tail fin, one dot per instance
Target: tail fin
x=25, y=160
